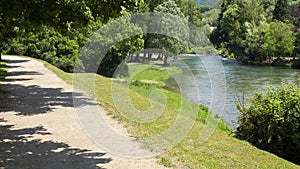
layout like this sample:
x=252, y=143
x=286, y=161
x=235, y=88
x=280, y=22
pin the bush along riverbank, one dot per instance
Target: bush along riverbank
x=221, y=150
x=271, y=121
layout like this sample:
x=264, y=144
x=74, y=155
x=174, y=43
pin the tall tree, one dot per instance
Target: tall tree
x=297, y=45
x=278, y=40
x=174, y=24
x=191, y=10
x=149, y=5
x=254, y=41
x=28, y=15
x=281, y=11
x=110, y=46
x=108, y=9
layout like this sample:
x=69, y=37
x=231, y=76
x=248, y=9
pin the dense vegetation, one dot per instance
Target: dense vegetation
x=272, y=121
x=264, y=30
x=56, y=31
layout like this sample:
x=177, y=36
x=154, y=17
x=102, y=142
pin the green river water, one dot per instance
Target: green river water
x=220, y=83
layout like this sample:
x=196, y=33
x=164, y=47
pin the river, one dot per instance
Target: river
x=220, y=83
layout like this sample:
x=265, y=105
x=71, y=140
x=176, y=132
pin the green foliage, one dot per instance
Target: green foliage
x=297, y=45
x=74, y=20
x=255, y=40
x=47, y=44
x=30, y=15
x=255, y=30
x=107, y=10
x=278, y=40
x=211, y=17
x=281, y=11
x=191, y=10
x=151, y=4
x=3, y=70
x=188, y=7
x=108, y=47
x=174, y=23
x=267, y=42
x=182, y=20
x=272, y=121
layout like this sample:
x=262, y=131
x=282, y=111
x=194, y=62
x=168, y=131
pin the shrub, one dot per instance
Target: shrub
x=49, y=45
x=272, y=121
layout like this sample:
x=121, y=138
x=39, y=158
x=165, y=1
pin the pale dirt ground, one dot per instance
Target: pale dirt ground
x=40, y=129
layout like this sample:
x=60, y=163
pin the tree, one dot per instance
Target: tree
x=297, y=45
x=246, y=30
x=149, y=5
x=23, y=15
x=47, y=44
x=175, y=24
x=295, y=13
x=278, y=40
x=106, y=10
x=254, y=41
x=109, y=47
x=191, y=10
x=63, y=15
x=281, y=11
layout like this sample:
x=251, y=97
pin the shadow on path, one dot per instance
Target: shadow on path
x=33, y=99
x=18, y=151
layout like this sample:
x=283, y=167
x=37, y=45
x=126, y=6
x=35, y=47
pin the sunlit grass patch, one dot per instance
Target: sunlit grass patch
x=221, y=150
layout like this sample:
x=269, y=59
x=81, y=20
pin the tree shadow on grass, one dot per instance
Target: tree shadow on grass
x=19, y=151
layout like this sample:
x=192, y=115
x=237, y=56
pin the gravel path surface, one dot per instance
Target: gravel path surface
x=39, y=127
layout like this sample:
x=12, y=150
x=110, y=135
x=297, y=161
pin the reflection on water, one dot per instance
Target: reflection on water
x=241, y=81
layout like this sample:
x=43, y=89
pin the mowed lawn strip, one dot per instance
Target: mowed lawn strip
x=221, y=150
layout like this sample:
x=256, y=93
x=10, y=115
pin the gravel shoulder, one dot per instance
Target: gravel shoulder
x=40, y=128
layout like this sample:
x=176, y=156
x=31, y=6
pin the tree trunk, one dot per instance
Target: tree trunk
x=165, y=60
x=150, y=56
x=144, y=57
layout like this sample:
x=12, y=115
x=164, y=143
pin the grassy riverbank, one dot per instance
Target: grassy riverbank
x=3, y=71
x=220, y=151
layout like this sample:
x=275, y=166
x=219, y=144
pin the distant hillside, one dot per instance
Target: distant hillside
x=207, y=2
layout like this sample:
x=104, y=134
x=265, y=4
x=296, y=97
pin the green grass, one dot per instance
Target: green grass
x=220, y=151
x=3, y=72
x=3, y=69
x=151, y=72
